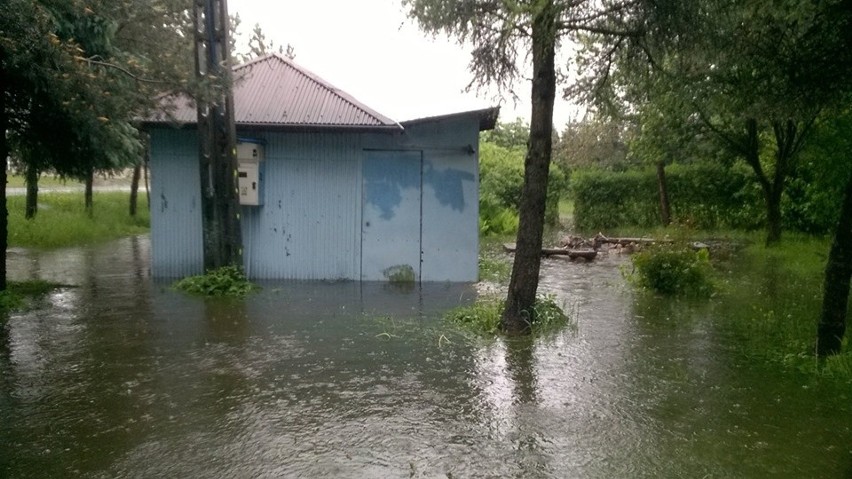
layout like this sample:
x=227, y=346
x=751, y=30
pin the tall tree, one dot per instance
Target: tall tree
x=748, y=71
x=503, y=34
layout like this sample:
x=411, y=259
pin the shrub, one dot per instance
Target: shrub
x=224, y=281
x=497, y=221
x=673, y=270
x=483, y=317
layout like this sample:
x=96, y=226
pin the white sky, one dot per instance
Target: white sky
x=371, y=50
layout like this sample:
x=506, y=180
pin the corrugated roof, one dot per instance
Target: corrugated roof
x=487, y=118
x=274, y=91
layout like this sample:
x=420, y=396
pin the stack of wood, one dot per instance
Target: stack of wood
x=586, y=254
x=587, y=248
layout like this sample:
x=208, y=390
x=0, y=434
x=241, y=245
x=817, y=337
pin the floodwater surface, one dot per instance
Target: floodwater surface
x=118, y=376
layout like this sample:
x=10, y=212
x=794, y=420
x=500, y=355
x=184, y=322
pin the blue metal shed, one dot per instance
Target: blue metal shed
x=346, y=192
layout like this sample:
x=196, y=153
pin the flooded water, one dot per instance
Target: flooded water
x=119, y=376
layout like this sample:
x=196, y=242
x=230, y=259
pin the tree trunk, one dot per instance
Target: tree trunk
x=773, y=215
x=788, y=140
x=134, y=189
x=832, y=321
x=771, y=189
x=145, y=176
x=32, y=192
x=4, y=164
x=663, y=189
x=517, y=315
x=90, y=180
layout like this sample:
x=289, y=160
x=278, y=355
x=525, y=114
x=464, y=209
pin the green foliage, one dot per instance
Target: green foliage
x=62, y=220
x=508, y=135
x=483, y=316
x=814, y=194
x=69, y=108
x=497, y=221
x=702, y=195
x=227, y=281
x=672, y=270
x=594, y=144
x=501, y=182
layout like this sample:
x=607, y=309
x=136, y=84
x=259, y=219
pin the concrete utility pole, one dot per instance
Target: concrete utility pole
x=220, y=203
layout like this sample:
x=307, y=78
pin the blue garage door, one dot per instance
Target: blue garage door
x=391, y=216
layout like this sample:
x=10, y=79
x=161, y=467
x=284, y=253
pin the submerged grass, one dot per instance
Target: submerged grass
x=63, y=221
x=494, y=264
x=483, y=316
x=772, y=299
x=19, y=294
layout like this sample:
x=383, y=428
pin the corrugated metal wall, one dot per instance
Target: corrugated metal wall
x=309, y=225
x=176, y=249
x=450, y=200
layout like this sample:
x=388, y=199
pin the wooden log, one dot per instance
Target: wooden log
x=600, y=239
x=587, y=254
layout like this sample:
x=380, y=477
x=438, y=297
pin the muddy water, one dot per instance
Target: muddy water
x=119, y=376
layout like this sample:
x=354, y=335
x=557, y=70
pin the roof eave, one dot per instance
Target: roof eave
x=487, y=118
x=283, y=127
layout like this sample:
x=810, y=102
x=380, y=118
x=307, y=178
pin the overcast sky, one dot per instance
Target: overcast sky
x=371, y=50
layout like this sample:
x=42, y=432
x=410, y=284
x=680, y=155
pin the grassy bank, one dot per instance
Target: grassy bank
x=63, y=221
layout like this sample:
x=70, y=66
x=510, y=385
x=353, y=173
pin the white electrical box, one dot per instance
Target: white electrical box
x=250, y=172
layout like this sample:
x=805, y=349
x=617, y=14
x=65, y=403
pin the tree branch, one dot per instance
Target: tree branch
x=92, y=61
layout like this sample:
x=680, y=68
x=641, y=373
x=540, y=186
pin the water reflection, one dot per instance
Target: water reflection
x=120, y=376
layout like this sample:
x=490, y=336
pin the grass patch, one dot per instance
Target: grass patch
x=227, y=281
x=19, y=181
x=494, y=264
x=19, y=294
x=772, y=297
x=483, y=316
x=566, y=212
x=62, y=220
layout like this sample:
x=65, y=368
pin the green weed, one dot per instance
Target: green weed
x=227, y=281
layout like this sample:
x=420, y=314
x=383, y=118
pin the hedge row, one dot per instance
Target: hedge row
x=705, y=196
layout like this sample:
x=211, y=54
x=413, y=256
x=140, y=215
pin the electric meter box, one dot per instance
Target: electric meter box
x=250, y=171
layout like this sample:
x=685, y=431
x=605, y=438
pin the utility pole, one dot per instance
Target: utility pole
x=220, y=203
